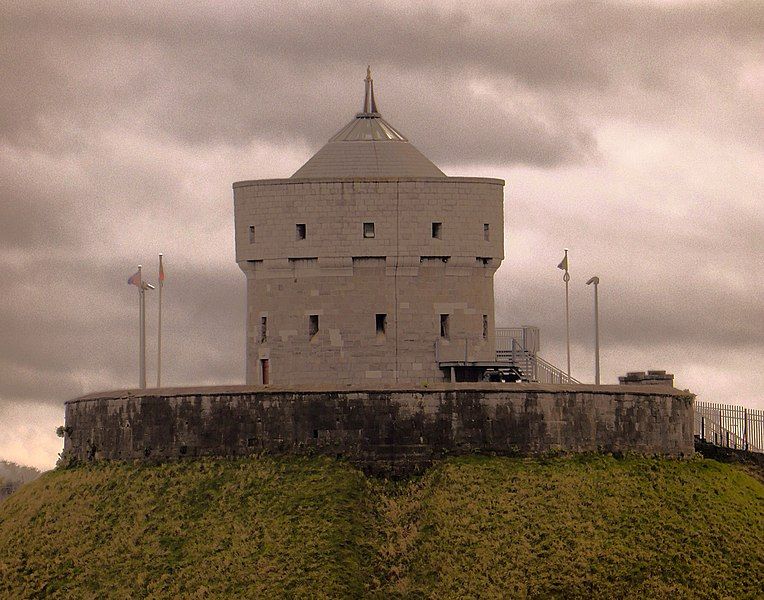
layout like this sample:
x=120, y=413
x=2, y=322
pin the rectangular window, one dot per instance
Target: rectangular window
x=265, y=371
x=381, y=323
x=368, y=230
x=263, y=329
x=301, y=230
x=251, y=234
x=486, y=231
x=444, y=326
x=485, y=326
x=312, y=325
x=437, y=230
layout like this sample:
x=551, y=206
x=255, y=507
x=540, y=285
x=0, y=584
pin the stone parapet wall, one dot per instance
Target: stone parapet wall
x=384, y=431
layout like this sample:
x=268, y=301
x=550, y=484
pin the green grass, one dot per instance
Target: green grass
x=580, y=527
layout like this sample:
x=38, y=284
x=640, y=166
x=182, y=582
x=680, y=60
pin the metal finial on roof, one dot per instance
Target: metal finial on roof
x=369, y=105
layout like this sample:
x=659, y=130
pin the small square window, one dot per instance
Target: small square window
x=312, y=326
x=368, y=230
x=301, y=230
x=437, y=230
x=485, y=326
x=486, y=231
x=444, y=326
x=263, y=329
x=251, y=234
x=381, y=320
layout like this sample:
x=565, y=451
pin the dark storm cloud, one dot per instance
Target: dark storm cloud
x=280, y=72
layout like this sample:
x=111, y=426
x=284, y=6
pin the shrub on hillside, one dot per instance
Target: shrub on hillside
x=13, y=476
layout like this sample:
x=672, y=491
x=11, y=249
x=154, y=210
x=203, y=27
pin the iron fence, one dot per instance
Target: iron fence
x=730, y=426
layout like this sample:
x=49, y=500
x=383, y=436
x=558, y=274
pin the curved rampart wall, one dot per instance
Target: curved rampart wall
x=389, y=431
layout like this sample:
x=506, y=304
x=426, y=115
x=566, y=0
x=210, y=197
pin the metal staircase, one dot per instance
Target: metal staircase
x=519, y=346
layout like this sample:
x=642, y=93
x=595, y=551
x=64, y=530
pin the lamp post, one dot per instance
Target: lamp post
x=596, y=280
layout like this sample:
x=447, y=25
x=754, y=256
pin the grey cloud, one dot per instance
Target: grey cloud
x=280, y=73
x=72, y=327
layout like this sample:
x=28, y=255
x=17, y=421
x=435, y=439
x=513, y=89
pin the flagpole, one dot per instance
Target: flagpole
x=159, y=328
x=566, y=278
x=142, y=330
x=596, y=281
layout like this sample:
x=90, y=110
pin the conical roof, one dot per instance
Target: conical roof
x=368, y=146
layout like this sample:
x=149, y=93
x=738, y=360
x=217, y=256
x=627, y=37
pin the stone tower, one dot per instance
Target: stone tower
x=369, y=265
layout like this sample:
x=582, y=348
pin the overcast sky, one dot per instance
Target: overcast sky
x=630, y=132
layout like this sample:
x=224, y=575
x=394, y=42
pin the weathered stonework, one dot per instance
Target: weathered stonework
x=385, y=431
x=346, y=279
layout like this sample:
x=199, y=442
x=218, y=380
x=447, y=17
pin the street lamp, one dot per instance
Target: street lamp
x=595, y=280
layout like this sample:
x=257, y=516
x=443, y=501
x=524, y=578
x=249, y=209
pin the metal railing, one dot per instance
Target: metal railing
x=534, y=367
x=730, y=426
x=527, y=337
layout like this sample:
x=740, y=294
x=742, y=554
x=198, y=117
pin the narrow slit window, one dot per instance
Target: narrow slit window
x=312, y=326
x=368, y=230
x=263, y=329
x=485, y=326
x=444, y=326
x=300, y=231
x=486, y=231
x=381, y=323
x=437, y=230
x=251, y=234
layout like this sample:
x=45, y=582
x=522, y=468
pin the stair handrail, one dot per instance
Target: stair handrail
x=533, y=363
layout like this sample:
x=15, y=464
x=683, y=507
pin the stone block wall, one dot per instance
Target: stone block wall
x=345, y=279
x=649, y=378
x=385, y=431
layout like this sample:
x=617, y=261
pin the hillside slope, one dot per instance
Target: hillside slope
x=495, y=527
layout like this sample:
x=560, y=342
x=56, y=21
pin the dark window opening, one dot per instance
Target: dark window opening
x=486, y=231
x=381, y=323
x=368, y=230
x=265, y=371
x=485, y=326
x=437, y=230
x=263, y=329
x=315, y=434
x=444, y=326
x=251, y=234
x=312, y=325
x=301, y=230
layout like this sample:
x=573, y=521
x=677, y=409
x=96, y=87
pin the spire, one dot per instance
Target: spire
x=369, y=105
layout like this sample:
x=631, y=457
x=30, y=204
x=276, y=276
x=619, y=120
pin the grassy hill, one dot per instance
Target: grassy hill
x=577, y=527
